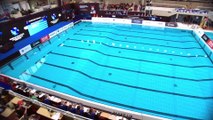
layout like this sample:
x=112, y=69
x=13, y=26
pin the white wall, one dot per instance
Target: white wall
x=161, y=11
x=211, y=15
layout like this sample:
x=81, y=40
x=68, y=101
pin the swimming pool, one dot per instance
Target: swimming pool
x=151, y=70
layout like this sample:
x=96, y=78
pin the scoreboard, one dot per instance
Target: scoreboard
x=36, y=25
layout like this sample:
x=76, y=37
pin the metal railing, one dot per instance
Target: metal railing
x=65, y=113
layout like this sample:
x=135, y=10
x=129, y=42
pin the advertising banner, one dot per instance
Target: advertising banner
x=171, y=24
x=16, y=32
x=210, y=43
x=117, y=14
x=205, y=37
x=35, y=43
x=52, y=34
x=138, y=21
x=45, y=38
x=25, y=49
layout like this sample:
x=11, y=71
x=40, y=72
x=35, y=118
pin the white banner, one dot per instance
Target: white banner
x=154, y=23
x=52, y=34
x=128, y=21
x=25, y=49
x=98, y=19
x=60, y=30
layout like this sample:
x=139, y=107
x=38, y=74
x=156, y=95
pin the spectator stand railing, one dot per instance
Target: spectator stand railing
x=65, y=113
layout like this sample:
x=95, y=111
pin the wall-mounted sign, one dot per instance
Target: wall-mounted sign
x=14, y=31
x=16, y=34
x=54, y=18
x=36, y=25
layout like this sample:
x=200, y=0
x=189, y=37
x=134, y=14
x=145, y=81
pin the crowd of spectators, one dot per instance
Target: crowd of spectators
x=66, y=105
x=125, y=7
x=72, y=107
x=4, y=16
x=8, y=107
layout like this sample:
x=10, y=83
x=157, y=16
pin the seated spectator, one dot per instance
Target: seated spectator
x=47, y=100
x=14, y=85
x=33, y=96
x=86, y=114
x=97, y=115
x=123, y=6
x=80, y=110
x=91, y=113
x=63, y=105
x=72, y=108
x=20, y=103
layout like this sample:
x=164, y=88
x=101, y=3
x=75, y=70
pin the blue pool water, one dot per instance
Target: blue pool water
x=162, y=72
x=210, y=35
